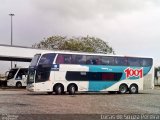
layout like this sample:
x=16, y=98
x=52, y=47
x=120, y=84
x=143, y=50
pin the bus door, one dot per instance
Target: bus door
x=11, y=76
x=22, y=76
x=42, y=80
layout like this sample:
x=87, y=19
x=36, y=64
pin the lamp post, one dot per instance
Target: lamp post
x=11, y=33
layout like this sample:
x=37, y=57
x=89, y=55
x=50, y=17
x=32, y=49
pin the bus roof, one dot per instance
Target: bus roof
x=89, y=53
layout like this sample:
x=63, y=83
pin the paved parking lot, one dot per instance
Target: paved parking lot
x=20, y=101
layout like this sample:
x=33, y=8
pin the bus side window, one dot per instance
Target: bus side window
x=134, y=62
x=60, y=59
x=93, y=60
x=121, y=61
x=67, y=59
x=79, y=59
x=89, y=60
x=98, y=60
x=107, y=60
x=145, y=62
x=20, y=73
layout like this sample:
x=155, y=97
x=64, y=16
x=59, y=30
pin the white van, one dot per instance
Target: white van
x=17, y=77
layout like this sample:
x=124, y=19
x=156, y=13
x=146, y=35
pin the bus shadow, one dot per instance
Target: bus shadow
x=84, y=94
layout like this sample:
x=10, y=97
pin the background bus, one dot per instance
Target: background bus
x=70, y=72
x=17, y=77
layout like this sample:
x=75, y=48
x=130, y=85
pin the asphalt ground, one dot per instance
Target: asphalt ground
x=22, y=104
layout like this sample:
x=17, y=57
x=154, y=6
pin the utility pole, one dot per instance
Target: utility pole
x=11, y=33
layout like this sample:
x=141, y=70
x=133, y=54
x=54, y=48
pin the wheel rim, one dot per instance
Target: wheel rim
x=19, y=85
x=59, y=90
x=133, y=89
x=123, y=89
x=73, y=89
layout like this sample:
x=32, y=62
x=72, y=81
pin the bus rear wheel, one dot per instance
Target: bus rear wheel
x=71, y=89
x=58, y=90
x=18, y=85
x=133, y=89
x=123, y=88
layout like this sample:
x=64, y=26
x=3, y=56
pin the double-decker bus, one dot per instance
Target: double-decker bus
x=70, y=72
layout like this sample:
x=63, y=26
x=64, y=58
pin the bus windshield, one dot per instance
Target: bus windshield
x=11, y=73
x=42, y=69
x=35, y=60
x=31, y=71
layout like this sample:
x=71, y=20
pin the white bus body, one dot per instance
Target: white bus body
x=17, y=77
x=69, y=72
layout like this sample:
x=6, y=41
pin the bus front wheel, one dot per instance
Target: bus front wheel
x=58, y=89
x=18, y=85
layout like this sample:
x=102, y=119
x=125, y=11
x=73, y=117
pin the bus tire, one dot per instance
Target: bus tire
x=71, y=89
x=123, y=88
x=133, y=89
x=59, y=89
x=18, y=84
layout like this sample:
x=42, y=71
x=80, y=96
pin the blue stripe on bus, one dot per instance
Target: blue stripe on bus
x=99, y=85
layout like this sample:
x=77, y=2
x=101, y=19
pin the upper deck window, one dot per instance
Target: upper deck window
x=145, y=62
x=103, y=60
x=107, y=60
x=134, y=62
x=64, y=59
x=121, y=61
x=79, y=59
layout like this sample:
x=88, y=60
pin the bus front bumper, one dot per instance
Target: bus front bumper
x=30, y=87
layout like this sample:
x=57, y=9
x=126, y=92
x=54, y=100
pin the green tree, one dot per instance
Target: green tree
x=83, y=44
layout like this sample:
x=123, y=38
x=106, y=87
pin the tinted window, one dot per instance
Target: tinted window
x=64, y=59
x=93, y=60
x=60, y=59
x=47, y=58
x=146, y=62
x=89, y=60
x=121, y=61
x=92, y=76
x=35, y=60
x=98, y=60
x=134, y=62
x=21, y=72
x=11, y=73
x=107, y=60
x=79, y=59
x=31, y=74
x=44, y=67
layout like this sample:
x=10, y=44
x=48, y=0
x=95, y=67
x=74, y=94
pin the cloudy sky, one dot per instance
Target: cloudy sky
x=131, y=27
